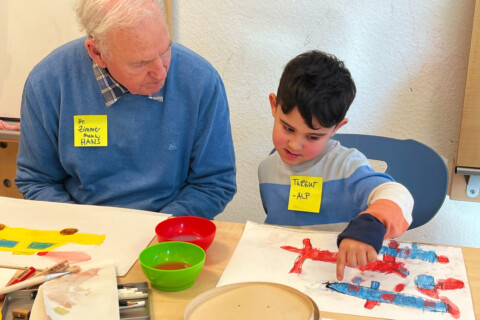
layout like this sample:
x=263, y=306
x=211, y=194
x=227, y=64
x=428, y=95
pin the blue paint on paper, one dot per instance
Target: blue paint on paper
x=8, y=243
x=400, y=299
x=424, y=281
x=410, y=253
x=40, y=245
x=357, y=280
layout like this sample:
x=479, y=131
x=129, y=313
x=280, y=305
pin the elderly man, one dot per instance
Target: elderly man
x=125, y=117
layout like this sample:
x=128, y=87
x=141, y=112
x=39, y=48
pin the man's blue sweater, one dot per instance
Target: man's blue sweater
x=174, y=156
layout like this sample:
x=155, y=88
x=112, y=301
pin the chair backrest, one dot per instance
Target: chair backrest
x=418, y=167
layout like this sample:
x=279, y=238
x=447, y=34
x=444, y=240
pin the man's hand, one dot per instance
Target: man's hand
x=354, y=253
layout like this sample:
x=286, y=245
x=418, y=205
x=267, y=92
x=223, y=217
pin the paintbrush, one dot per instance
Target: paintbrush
x=9, y=266
x=37, y=280
x=59, y=267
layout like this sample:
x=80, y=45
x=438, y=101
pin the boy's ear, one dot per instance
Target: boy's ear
x=273, y=103
x=341, y=124
x=94, y=53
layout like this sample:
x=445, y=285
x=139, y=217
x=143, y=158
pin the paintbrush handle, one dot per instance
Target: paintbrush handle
x=8, y=266
x=24, y=284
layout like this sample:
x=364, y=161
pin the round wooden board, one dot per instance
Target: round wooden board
x=252, y=300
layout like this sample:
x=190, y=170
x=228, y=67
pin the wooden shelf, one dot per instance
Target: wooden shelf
x=8, y=168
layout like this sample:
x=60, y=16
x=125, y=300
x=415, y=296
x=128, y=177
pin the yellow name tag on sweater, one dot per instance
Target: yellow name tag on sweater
x=305, y=193
x=90, y=131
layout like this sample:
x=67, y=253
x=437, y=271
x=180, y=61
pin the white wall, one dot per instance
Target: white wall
x=408, y=58
x=29, y=30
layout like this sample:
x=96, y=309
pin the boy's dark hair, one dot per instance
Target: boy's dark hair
x=319, y=85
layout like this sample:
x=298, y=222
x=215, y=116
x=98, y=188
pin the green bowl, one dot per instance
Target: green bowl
x=172, y=252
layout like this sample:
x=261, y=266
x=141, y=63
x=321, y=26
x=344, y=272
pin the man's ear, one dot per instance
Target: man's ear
x=273, y=103
x=341, y=124
x=95, y=53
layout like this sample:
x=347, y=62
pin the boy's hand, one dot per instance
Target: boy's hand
x=353, y=253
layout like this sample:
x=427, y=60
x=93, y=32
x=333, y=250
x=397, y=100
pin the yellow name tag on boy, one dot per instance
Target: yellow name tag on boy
x=90, y=131
x=305, y=193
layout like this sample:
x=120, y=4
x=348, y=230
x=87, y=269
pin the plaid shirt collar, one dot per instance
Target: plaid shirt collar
x=112, y=90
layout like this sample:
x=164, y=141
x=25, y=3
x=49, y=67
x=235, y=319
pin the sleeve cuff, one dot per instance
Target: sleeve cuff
x=365, y=228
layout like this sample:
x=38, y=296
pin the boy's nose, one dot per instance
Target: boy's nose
x=294, y=144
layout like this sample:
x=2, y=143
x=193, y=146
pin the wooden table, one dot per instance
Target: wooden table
x=170, y=305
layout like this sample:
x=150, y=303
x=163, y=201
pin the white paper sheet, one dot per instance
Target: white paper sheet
x=5, y=275
x=127, y=232
x=89, y=294
x=259, y=256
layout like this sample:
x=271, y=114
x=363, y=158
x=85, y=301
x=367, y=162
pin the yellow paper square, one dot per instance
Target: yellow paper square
x=305, y=193
x=90, y=131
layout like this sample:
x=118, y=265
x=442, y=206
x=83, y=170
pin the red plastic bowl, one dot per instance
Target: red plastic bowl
x=196, y=230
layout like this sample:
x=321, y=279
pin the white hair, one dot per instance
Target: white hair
x=99, y=17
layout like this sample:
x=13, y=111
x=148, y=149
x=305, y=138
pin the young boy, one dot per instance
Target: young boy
x=312, y=180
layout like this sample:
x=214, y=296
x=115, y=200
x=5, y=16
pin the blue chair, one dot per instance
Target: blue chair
x=418, y=167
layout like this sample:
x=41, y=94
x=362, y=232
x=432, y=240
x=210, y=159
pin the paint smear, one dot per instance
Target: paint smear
x=399, y=287
x=31, y=241
x=69, y=290
x=394, y=267
x=308, y=252
x=374, y=297
x=414, y=252
x=61, y=311
x=426, y=284
x=72, y=256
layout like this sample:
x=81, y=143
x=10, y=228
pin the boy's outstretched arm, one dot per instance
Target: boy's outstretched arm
x=388, y=215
